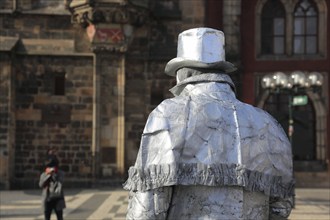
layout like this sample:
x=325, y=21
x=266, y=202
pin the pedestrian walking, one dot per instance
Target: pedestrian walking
x=51, y=182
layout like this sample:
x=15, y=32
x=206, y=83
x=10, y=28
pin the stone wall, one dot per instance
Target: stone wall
x=48, y=115
x=33, y=26
x=231, y=27
x=4, y=111
x=45, y=119
x=152, y=47
x=141, y=97
x=6, y=4
x=53, y=96
x=6, y=120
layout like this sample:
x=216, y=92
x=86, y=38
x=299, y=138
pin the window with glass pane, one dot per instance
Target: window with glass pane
x=305, y=32
x=273, y=28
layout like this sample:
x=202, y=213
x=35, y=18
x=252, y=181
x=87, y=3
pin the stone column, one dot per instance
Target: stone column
x=109, y=27
x=108, y=113
x=121, y=116
x=7, y=121
x=96, y=118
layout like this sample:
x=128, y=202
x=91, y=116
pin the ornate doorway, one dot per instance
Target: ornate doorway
x=309, y=123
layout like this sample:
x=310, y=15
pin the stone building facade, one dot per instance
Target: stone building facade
x=82, y=76
x=47, y=94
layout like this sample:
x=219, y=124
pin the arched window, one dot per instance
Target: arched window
x=305, y=31
x=273, y=28
x=291, y=29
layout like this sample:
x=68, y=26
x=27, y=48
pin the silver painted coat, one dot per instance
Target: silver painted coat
x=206, y=155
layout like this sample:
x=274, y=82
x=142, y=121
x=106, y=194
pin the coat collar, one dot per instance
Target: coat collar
x=207, y=77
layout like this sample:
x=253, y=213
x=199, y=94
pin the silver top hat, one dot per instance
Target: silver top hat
x=200, y=48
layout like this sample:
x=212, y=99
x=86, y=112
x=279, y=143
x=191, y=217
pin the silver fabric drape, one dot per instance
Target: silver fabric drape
x=206, y=155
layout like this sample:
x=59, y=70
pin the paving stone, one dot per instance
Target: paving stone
x=111, y=203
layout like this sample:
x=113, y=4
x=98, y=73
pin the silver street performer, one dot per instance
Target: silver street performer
x=204, y=154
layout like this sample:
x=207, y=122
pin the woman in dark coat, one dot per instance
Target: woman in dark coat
x=51, y=181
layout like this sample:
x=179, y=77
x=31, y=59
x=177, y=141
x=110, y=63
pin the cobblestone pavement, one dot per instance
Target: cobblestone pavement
x=311, y=204
x=106, y=204
x=88, y=204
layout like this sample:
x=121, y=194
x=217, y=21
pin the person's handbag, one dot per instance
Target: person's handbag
x=55, y=191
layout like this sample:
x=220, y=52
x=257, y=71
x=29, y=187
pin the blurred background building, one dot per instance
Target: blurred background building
x=83, y=75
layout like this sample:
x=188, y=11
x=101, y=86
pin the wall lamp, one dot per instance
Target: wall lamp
x=295, y=80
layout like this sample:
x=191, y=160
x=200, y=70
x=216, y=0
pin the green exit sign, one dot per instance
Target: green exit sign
x=300, y=100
